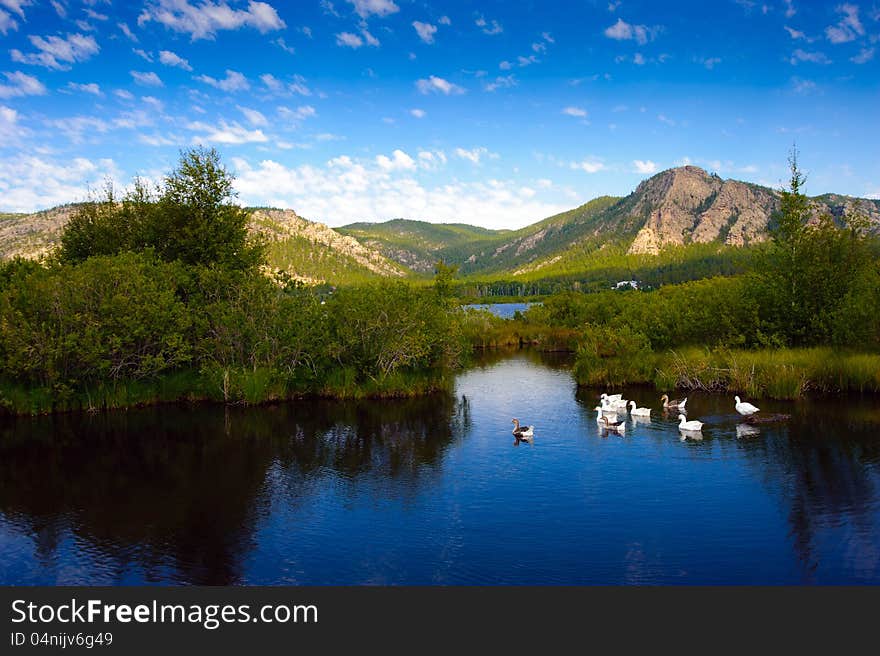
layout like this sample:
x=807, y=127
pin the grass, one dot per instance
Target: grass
x=232, y=386
x=768, y=373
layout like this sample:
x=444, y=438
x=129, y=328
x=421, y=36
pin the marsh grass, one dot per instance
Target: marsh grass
x=769, y=373
x=234, y=386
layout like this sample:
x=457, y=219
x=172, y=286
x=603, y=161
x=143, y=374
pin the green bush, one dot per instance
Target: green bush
x=612, y=356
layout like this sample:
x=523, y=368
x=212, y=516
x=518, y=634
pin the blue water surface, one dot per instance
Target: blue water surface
x=437, y=491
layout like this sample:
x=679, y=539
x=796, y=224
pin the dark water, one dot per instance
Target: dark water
x=435, y=491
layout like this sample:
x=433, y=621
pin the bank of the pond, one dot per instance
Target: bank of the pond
x=766, y=373
x=233, y=387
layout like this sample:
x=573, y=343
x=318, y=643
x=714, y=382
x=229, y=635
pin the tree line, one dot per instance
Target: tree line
x=169, y=279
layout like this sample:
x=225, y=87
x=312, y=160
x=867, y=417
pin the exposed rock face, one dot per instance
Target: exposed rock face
x=278, y=225
x=687, y=204
x=33, y=235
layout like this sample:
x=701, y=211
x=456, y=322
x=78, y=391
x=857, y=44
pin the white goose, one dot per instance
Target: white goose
x=611, y=397
x=746, y=408
x=638, y=412
x=675, y=403
x=604, y=412
x=693, y=425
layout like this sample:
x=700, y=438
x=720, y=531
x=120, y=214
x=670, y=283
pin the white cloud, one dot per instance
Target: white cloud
x=347, y=189
x=91, y=88
x=418, y=113
x=864, y=56
x=644, y=167
x=225, y=133
x=20, y=84
x=234, y=81
x=204, y=20
x=172, y=59
x=849, y=28
x=426, y=31
x=711, y=62
x=474, y=155
x=444, y=20
x=56, y=52
x=367, y=8
x=795, y=34
x=126, y=30
x=588, y=166
x=149, y=79
x=10, y=130
x=30, y=183
x=493, y=27
x=623, y=31
x=296, y=86
x=153, y=102
x=298, y=114
x=399, y=161
x=80, y=128
x=369, y=38
x=434, y=84
x=7, y=23
x=349, y=40
x=801, y=55
x=253, y=116
x=501, y=82
x=281, y=43
x=666, y=120
x=16, y=6
x=575, y=111
x=143, y=54
x=125, y=95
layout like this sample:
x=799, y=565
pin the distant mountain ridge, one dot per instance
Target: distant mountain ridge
x=679, y=206
x=309, y=252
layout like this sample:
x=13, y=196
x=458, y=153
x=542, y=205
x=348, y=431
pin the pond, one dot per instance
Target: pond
x=435, y=491
x=503, y=310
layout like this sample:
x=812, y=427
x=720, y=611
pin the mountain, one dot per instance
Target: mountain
x=308, y=251
x=33, y=235
x=313, y=253
x=679, y=206
x=419, y=245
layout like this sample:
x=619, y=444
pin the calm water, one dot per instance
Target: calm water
x=434, y=491
x=503, y=310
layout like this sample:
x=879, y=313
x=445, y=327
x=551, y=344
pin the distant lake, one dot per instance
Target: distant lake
x=503, y=310
x=435, y=491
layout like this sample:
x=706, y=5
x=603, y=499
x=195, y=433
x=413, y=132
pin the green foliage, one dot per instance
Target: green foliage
x=380, y=328
x=444, y=274
x=107, y=319
x=815, y=278
x=775, y=373
x=196, y=221
x=613, y=356
x=190, y=219
x=714, y=311
x=109, y=225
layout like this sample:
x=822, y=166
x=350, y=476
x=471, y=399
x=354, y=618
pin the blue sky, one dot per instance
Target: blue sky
x=492, y=113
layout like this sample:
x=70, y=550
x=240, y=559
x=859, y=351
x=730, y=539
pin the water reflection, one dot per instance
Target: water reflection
x=177, y=492
x=420, y=491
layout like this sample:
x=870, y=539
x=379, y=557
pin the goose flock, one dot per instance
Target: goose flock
x=612, y=405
